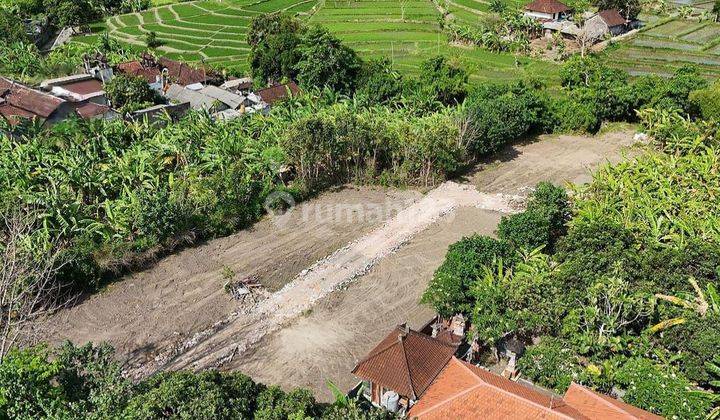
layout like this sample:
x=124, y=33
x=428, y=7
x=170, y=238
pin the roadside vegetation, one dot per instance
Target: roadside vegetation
x=615, y=287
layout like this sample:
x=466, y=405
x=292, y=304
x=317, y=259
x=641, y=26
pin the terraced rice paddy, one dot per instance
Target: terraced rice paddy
x=210, y=30
x=663, y=48
x=406, y=31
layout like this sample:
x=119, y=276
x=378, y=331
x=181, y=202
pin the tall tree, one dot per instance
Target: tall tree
x=273, y=40
x=325, y=61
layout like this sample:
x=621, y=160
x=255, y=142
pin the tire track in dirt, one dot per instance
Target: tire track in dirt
x=239, y=332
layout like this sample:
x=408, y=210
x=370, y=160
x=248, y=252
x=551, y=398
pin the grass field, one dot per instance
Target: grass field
x=663, y=48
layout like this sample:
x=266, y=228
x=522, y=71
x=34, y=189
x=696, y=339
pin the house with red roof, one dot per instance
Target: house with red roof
x=547, y=10
x=398, y=371
x=416, y=374
x=161, y=72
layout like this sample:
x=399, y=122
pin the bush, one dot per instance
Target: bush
x=526, y=230
x=324, y=61
x=551, y=364
x=129, y=93
x=553, y=203
x=698, y=341
x=497, y=115
x=707, y=101
x=570, y=116
x=449, y=290
x=660, y=390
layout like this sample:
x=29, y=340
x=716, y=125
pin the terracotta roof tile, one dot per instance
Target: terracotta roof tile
x=464, y=391
x=178, y=72
x=90, y=109
x=547, y=6
x=612, y=17
x=406, y=361
x=84, y=87
x=598, y=406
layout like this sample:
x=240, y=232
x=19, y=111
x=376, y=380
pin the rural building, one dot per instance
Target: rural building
x=178, y=94
x=466, y=391
x=606, y=22
x=397, y=371
x=418, y=373
x=229, y=99
x=547, y=10
x=84, y=93
x=163, y=71
x=160, y=112
x=19, y=102
x=277, y=93
x=241, y=86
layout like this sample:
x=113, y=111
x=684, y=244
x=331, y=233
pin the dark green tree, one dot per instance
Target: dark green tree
x=326, y=62
x=274, y=40
x=129, y=93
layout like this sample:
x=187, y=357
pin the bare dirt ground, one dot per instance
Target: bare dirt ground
x=326, y=343
x=176, y=315
x=184, y=292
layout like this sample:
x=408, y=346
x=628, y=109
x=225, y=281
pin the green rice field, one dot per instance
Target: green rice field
x=405, y=31
x=662, y=48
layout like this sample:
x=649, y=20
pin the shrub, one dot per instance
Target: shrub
x=552, y=364
x=526, y=230
x=553, y=203
x=129, y=93
x=660, y=390
x=697, y=340
x=449, y=290
x=707, y=101
x=570, y=116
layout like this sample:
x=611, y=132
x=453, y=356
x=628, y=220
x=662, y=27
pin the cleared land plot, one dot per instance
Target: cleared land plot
x=663, y=49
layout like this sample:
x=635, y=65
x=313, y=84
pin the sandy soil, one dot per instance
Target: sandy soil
x=184, y=293
x=306, y=333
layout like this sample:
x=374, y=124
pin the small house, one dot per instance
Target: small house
x=606, y=22
x=177, y=94
x=279, y=92
x=399, y=370
x=18, y=102
x=161, y=72
x=547, y=10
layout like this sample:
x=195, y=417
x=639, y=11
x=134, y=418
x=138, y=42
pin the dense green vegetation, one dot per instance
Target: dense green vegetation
x=618, y=283
x=85, y=382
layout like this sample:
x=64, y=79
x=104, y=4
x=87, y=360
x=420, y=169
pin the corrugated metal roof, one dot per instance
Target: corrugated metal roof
x=30, y=100
x=197, y=100
x=230, y=99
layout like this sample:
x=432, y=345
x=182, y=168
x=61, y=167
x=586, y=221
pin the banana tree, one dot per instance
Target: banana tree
x=701, y=304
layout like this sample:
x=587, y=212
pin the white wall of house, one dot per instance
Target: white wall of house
x=541, y=15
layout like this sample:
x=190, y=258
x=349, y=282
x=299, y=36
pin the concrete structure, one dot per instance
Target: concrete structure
x=606, y=22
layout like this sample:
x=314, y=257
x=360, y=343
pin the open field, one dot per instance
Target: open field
x=663, y=48
x=177, y=315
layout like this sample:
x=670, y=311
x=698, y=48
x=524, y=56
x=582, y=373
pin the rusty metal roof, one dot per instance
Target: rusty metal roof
x=547, y=6
x=28, y=100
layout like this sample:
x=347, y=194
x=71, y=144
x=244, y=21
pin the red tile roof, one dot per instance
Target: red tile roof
x=277, y=93
x=464, y=391
x=406, y=362
x=23, y=100
x=612, y=18
x=547, y=6
x=598, y=406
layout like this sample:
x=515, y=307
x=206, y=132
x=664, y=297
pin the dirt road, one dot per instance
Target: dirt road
x=176, y=314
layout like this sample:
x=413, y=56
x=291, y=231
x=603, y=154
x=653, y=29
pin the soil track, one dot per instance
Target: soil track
x=176, y=314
